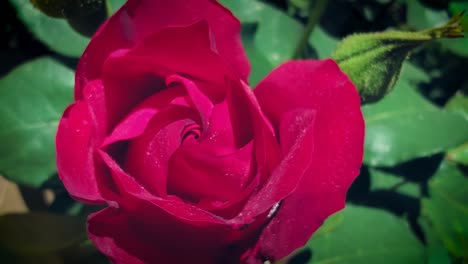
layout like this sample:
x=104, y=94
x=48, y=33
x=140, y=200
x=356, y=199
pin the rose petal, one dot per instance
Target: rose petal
x=138, y=19
x=220, y=136
x=148, y=155
x=125, y=94
x=199, y=100
x=131, y=191
x=338, y=138
x=149, y=235
x=101, y=230
x=266, y=147
x=230, y=126
x=79, y=132
x=136, y=122
x=132, y=75
x=196, y=174
x=298, y=127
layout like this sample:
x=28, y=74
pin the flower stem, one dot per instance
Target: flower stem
x=316, y=11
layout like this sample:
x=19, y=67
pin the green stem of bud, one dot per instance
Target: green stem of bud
x=373, y=61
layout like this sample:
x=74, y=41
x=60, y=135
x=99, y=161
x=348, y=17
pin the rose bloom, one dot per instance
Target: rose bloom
x=193, y=165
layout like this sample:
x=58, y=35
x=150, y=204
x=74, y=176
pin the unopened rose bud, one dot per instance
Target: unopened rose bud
x=373, y=61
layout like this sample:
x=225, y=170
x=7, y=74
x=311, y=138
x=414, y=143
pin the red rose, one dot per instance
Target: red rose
x=193, y=165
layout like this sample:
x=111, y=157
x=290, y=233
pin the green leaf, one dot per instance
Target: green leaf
x=32, y=99
x=247, y=11
x=405, y=126
x=300, y=4
x=381, y=180
x=333, y=221
x=420, y=17
x=277, y=35
x=447, y=208
x=458, y=7
x=40, y=233
x=459, y=154
x=457, y=46
x=323, y=43
x=259, y=65
x=56, y=33
x=459, y=103
x=113, y=5
x=413, y=74
x=366, y=235
x=436, y=252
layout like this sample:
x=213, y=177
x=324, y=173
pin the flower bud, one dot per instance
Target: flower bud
x=373, y=61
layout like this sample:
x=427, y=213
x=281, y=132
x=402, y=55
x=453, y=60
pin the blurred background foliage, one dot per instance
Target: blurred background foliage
x=409, y=205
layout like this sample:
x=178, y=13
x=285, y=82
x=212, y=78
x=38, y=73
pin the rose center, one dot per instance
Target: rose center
x=190, y=132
